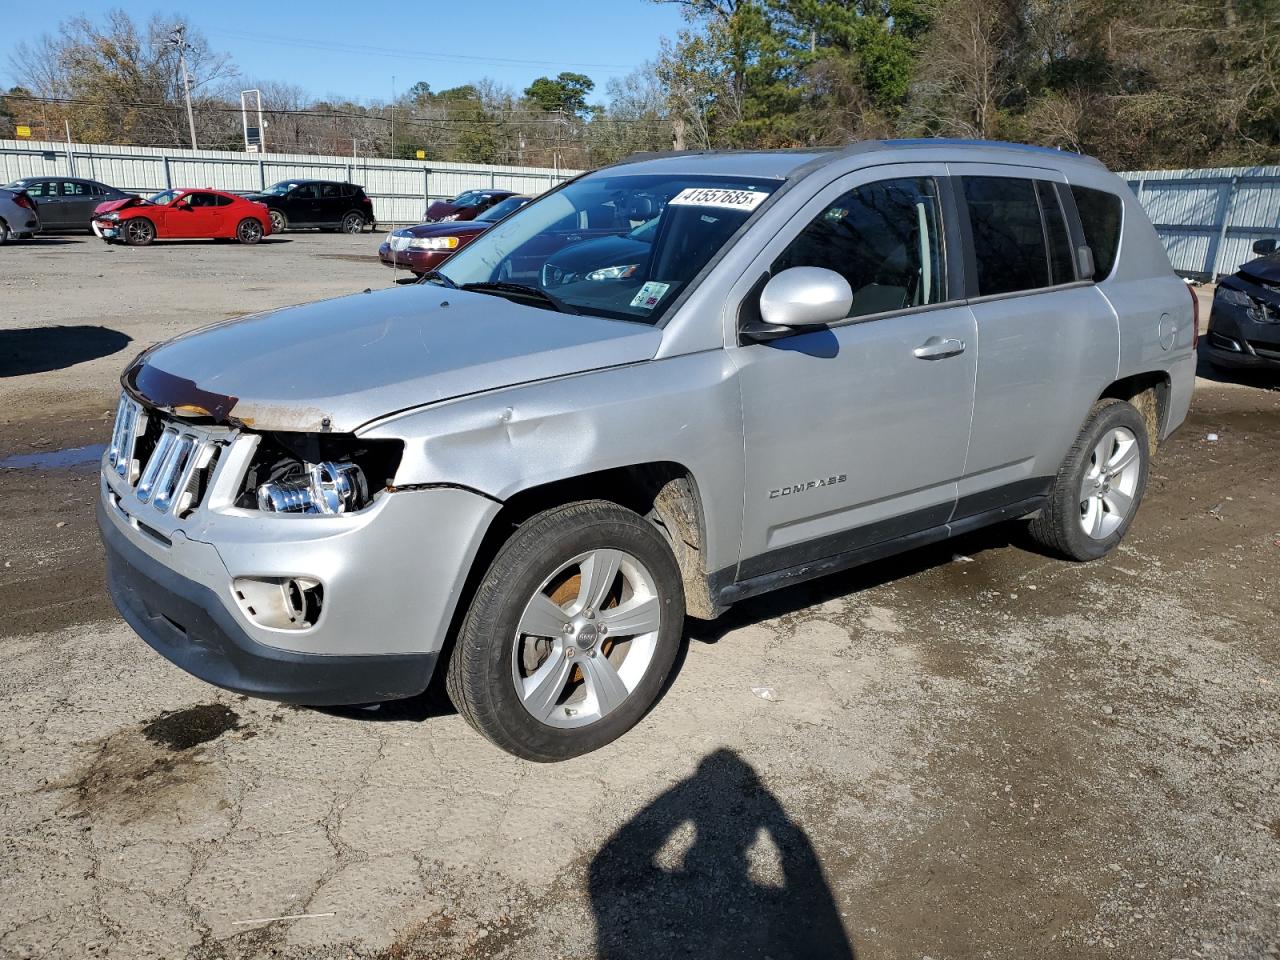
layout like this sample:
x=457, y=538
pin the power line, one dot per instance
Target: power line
x=369, y=49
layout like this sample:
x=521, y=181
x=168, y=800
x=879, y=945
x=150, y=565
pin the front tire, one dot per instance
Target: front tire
x=249, y=231
x=1099, y=486
x=139, y=231
x=279, y=222
x=571, y=634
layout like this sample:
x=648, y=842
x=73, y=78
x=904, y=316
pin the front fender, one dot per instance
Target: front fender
x=685, y=410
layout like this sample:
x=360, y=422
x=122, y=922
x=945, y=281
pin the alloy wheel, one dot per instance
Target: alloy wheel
x=586, y=638
x=1107, y=491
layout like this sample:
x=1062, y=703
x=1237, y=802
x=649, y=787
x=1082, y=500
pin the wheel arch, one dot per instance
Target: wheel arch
x=665, y=492
x=1148, y=392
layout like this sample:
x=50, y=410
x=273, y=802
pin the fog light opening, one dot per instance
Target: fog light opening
x=280, y=603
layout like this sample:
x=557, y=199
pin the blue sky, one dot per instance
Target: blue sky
x=354, y=48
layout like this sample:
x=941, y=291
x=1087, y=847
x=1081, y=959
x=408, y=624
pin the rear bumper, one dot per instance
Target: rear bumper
x=186, y=623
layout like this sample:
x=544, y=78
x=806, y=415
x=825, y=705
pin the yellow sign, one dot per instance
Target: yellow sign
x=422, y=154
x=23, y=131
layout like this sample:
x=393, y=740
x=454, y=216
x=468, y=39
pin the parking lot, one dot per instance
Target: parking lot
x=972, y=750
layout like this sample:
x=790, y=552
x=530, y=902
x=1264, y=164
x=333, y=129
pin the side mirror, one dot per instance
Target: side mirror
x=182, y=204
x=1263, y=247
x=805, y=297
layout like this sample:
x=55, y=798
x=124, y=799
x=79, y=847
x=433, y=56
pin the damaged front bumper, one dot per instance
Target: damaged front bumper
x=389, y=577
x=1244, y=326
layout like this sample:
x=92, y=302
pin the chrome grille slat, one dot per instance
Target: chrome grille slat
x=175, y=472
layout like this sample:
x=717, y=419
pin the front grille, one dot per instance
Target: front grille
x=167, y=463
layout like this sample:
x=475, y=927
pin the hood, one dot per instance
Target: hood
x=118, y=204
x=357, y=358
x=469, y=228
x=1263, y=270
x=443, y=208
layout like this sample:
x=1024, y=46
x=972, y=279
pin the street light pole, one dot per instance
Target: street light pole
x=179, y=40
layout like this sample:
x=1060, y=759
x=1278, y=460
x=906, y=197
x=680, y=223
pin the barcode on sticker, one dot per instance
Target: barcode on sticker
x=716, y=197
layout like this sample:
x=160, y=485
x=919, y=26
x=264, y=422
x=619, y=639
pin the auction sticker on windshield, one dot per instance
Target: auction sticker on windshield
x=717, y=197
x=650, y=294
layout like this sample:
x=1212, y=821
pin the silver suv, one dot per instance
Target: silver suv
x=524, y=479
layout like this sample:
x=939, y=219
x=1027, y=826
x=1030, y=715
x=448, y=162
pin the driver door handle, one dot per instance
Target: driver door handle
x=938, y=348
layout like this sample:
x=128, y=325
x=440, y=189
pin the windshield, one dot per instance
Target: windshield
x=469, y=198
x=280, y=189
x=681, y=222
x=500, y=210
x=166, y=197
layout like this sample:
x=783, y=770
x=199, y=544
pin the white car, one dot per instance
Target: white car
x=18, y=215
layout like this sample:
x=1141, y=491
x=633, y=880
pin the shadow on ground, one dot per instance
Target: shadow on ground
x=41, y=349
x=714, y=867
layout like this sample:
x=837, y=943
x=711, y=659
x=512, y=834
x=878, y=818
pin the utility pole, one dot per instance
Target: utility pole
x=178, y=39
x=393, y=115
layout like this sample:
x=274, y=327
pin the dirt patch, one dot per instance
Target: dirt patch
x=184, y=729
x=153, y=771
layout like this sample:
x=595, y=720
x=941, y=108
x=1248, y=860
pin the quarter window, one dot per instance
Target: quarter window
x=1008, y=239
x=885, y=239
x=1100, y=216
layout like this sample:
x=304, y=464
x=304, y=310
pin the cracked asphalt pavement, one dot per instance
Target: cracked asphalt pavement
x=969, y=751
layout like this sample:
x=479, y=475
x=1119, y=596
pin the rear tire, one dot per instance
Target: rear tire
x=532, y=670
x=4, y=233
x=353, y=222
x=249, y=231
x=1099, y=486
x=139, y=231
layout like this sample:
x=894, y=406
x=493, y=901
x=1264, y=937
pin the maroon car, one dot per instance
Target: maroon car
x=425, y=246
x=467, y=205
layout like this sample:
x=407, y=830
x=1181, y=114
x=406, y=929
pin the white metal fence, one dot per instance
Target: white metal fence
x=1209, y=219
x=399, y=188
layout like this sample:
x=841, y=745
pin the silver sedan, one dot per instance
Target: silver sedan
x=18, y=215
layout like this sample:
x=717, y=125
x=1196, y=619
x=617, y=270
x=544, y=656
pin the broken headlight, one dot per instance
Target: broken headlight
x=1255, y=309
x=325, y=474
x=327, y=487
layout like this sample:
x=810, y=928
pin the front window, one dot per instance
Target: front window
x=165, y=197
x=280, y=189
x=619, y=246
x=500, y=210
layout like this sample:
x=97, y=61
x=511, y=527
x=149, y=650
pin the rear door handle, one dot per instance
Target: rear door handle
x=938, y=348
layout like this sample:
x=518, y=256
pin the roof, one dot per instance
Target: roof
x=783, y=164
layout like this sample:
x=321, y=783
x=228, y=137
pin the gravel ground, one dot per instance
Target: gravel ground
x=971, y=751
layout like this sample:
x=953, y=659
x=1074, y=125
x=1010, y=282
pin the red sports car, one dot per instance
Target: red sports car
x=182, y=215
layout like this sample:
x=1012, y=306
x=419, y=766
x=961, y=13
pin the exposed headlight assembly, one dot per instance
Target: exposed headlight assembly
x=1256, y=310
x=326, y=488
x=324, y=474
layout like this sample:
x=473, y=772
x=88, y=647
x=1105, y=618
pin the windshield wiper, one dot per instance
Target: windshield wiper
x=523, y=290
x=437, y=275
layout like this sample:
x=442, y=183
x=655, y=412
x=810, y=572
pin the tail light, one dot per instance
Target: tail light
x=22, y=200
x=1195, y=317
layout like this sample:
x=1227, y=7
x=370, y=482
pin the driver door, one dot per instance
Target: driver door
x=856, y=434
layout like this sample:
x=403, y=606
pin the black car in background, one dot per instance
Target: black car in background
x=327, y=204
x=67, y=203
x=1244, y=323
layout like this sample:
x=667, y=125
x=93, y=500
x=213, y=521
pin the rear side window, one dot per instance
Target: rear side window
x=1100, y=216
x=1008, y=238
x=220, y=201
x=885, y=239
